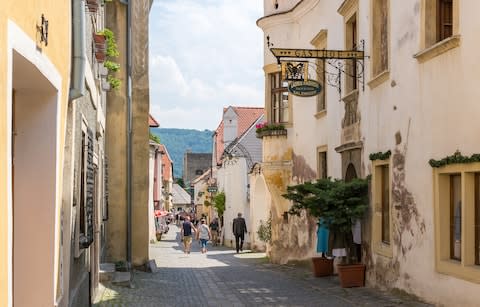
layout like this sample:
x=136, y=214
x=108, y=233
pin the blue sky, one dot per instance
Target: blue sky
x=204, y=55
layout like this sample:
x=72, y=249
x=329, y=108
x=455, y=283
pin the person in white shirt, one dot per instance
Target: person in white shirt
x=204, y=235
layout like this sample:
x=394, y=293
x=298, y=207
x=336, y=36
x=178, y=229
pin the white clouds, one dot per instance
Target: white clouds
x=204, y=53
x=166, y=69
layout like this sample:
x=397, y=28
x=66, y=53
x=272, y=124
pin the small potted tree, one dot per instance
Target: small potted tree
x=338, y=204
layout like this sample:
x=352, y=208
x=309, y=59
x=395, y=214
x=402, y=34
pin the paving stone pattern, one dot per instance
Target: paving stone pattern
x=223, y=278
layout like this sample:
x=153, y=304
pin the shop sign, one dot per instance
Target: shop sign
x=303, y=88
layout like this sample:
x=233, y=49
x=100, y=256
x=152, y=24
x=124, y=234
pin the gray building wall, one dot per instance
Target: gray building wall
x=253, y=144
x=194, y=165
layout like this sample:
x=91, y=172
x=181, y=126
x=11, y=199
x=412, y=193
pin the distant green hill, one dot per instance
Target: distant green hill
x=178, y=141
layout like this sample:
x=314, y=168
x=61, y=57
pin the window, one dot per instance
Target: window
x=444, y=19
x=477, y=218
x=385, y=203
x=380, y=20
x=321, y=80
x=320, y=42
x=278, y=98
x=322, y=162
x=351, y=44
x=455, y=217
x=85, y=192
x=83, y=171
x=439, y=28
x=457, y=220
x=381, y=229
x=198, y=172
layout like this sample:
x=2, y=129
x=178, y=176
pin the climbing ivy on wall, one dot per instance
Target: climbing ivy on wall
x=456, y=158
x=380, y=155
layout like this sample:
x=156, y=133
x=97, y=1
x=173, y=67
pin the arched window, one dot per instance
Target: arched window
x=351, y=173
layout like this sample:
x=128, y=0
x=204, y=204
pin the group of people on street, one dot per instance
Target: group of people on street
x=205, y=233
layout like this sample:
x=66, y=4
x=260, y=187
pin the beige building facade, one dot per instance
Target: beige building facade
x=129, y=241
x=34, y=86
x=413, y=100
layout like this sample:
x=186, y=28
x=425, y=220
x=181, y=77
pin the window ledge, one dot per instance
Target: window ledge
x=456, y=269
x=353, y=95
x=320, y=114
x=383, y=249
x=379, y=79
x=437, y=49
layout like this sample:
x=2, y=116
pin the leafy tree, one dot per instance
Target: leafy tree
x=154, y=138
x=337, y=203
x=219, y=203
x=180, y=182
x=264, y=231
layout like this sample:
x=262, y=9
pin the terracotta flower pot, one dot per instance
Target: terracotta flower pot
x=100, y=56
x=351, y=275
x=92, y=5
x=99, y=38
x=322, y=266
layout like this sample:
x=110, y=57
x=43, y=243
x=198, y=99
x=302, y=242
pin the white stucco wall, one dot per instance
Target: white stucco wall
x=233, y=181
x=260, y=201
x=434, y=107
x=151, y=169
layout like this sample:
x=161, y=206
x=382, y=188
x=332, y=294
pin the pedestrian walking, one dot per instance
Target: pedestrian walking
x=204, y=235
x=214, y=231
x=239, y=230
x=187, y=232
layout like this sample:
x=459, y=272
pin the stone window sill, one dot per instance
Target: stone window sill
x=379, y=79
x=456, y=269
x=383, y=249
x=438, y=49
x=320, y=114
x=351, y=96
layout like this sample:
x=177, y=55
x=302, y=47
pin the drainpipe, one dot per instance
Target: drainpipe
x=77, y=85
x=129, y=134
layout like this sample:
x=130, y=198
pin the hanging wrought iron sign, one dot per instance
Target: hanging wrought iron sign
x=304, y=88
x=327, y=66
x=294, y=71
x=317, y=54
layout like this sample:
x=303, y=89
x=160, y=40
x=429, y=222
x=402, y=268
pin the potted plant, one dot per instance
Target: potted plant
x=92, y=5
x=264, y=129
x=338, y=204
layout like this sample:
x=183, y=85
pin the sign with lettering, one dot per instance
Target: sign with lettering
x=306, y=88
x=212, y=189
x=317, y=54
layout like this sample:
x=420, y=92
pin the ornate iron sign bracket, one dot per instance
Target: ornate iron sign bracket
x=297, y=63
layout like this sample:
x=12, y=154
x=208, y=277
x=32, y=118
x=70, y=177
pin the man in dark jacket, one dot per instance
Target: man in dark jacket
x=239, y=230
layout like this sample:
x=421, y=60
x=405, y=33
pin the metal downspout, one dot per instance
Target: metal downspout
x=129, y=134
x=79, y=59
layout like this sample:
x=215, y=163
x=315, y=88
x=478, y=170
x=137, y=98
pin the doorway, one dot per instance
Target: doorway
x=34, y=155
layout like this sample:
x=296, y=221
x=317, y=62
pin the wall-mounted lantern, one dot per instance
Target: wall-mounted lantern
x=42, y=29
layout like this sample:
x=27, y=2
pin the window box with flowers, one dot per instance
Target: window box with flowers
x=266, y=129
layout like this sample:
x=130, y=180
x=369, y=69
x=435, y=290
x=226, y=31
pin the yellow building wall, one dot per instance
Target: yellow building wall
x=26, y=15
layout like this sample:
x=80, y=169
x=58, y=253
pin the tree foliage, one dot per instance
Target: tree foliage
x=180, y=182
x=264, y=231
x=219, y=203
x=154, y=138
x=338, y=204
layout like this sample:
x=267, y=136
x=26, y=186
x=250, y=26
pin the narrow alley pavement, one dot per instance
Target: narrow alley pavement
x=223, y=278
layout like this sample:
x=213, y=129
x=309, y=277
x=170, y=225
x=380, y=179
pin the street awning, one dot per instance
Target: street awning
x=160, y=213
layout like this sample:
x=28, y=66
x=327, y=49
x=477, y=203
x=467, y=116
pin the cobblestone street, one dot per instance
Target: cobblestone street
x=223, y=278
